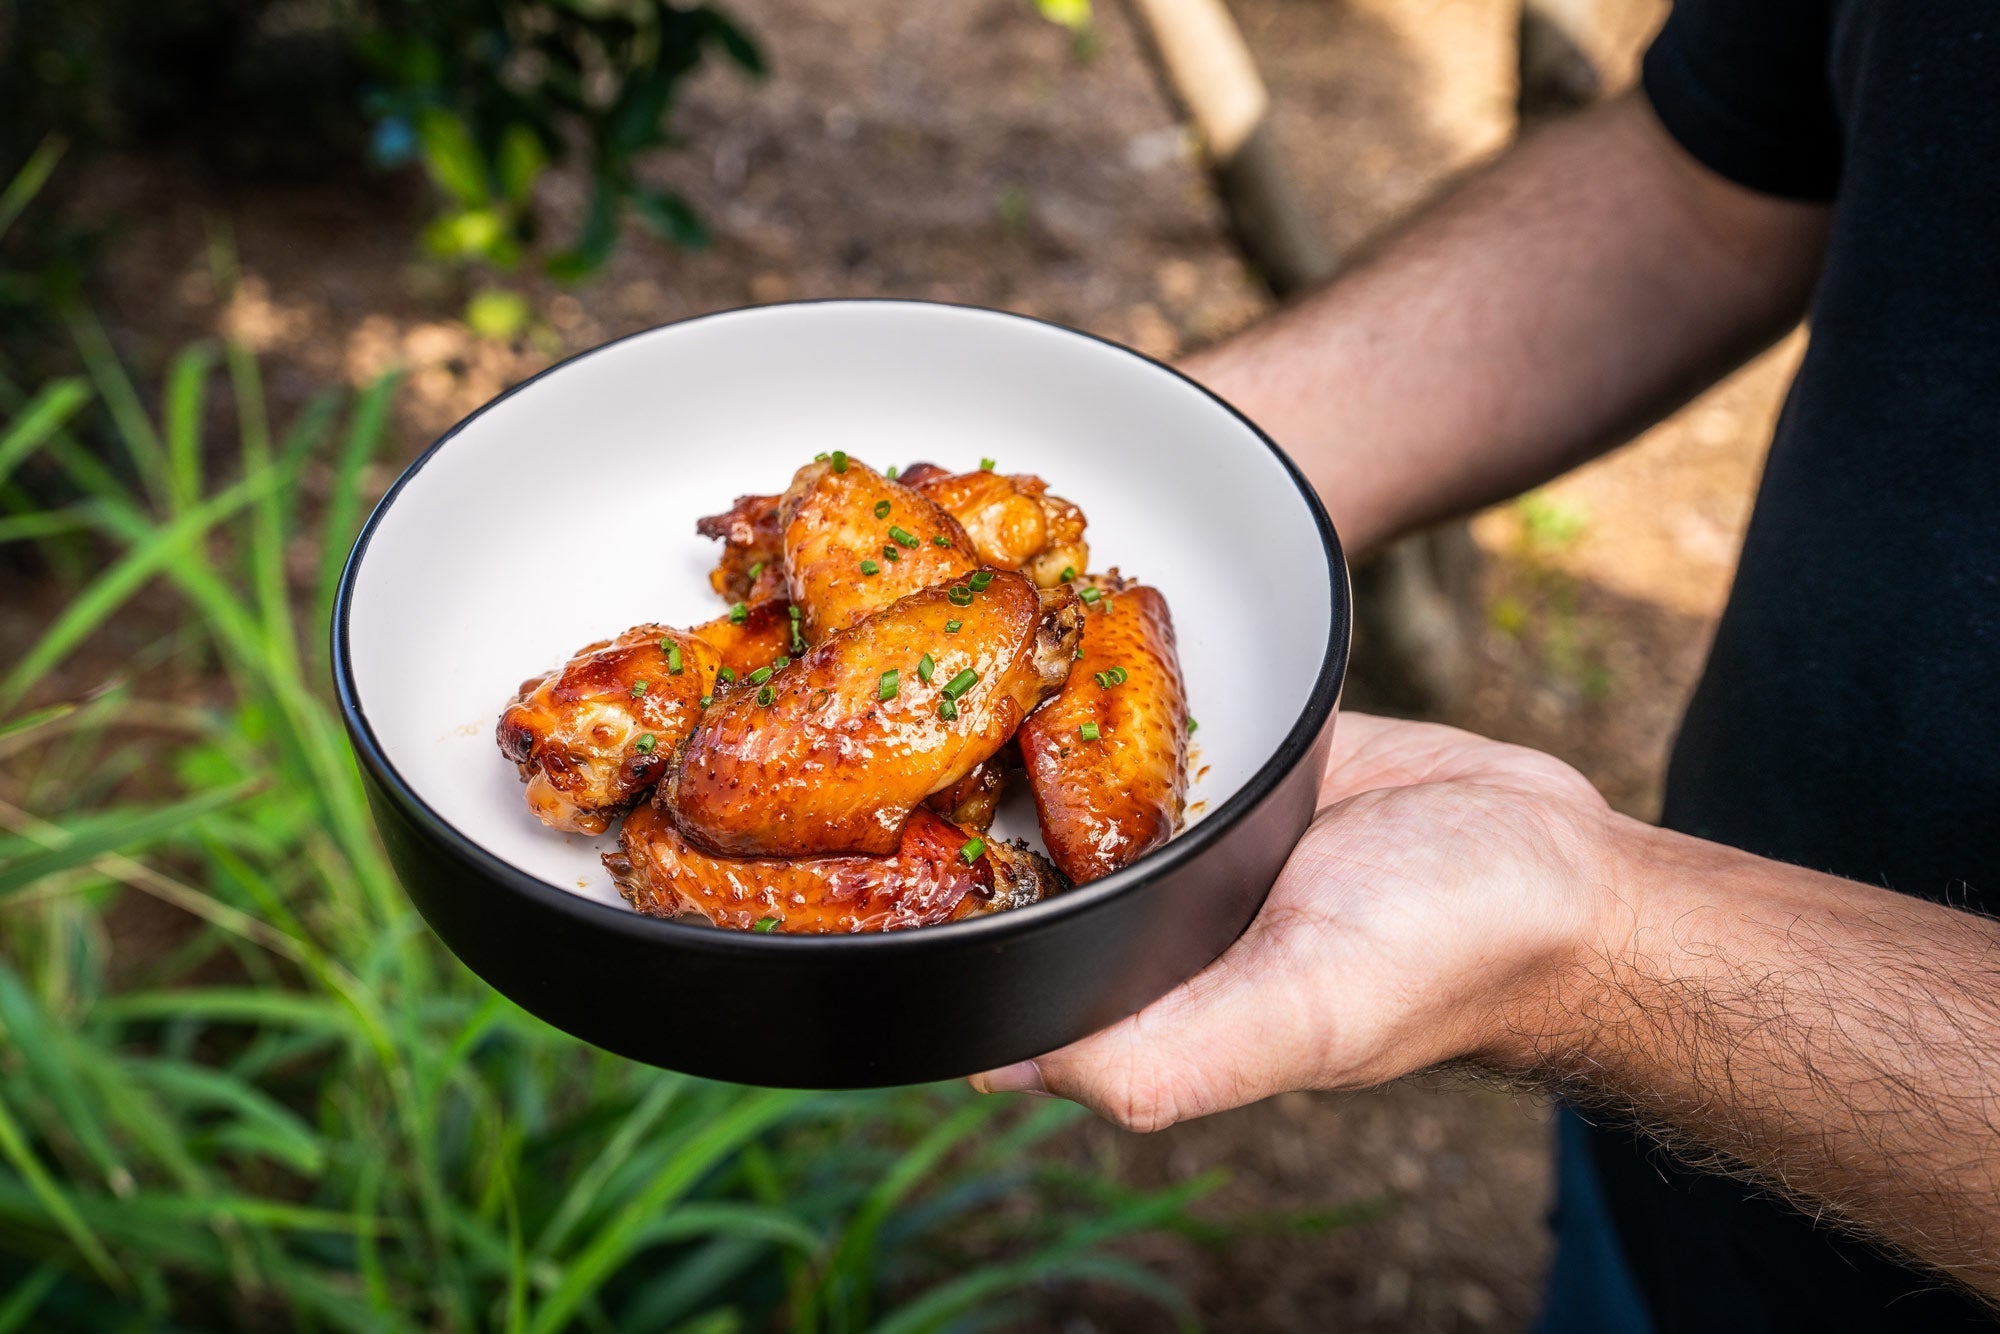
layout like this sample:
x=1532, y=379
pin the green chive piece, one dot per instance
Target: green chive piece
x=820, y=457
x=940, y=540
x=925, y=666
x=756, y=570
x=902, y=537
x=644, y=745
x=760, y=676
x=961, y=683
x=1090, y=595
x=1078, y=655
x=1103, y=680
x=1192, y=725
x=798, y=641
x=766, y=925
x=958, y=595
x=793, y=611
x=986, y=465
x=947, y=710
x=638, y=689
x=1069, y=573
x=1117, y=676
x=893, y=473
x=870, y=567
x=972, y=850
x=724, y=675
x=779, y=663
x=707, y=700
x=881, y=509
x=1088, y=731
x=890, y=553
x=979, y=580
x=739, y=613
x=839, y=461
x=674, y=663
x=953, y=627
x=765, y=696
x=886, y=688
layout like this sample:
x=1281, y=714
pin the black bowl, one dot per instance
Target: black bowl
x=505, y=546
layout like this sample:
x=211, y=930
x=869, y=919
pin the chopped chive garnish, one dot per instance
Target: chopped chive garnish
x=820, y=457
x=979, y=580
x=953, y=627
x=765, y=695
x=1118, y=676
x=947, y=710
x=961, y=683
x=638, y=689
x=893, y=473
x=779, y=663
x=890, y=553
x=1090, y=595
x=1088, y=731
x=793, y=611
x=886, y=687
x=724, y=675
x=644, y=745
x=756, y=570
x=1103, y=680
x=1192, y=725
x=1078, y=655
x=940, y=540
x=925, y=666
x=958, y=595
x=760, y=676
x=707, y=700
x=986, y=465
x=870, y=567
x=902, y=537
x=739, y=613
x=766, y=925
x=839, y=461
x=1069, y=573
x=881, y=509
x=674, y=663
x=972, y=850
x=798, y=640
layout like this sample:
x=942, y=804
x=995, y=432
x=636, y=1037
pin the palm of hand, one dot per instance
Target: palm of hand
x=1442, y=875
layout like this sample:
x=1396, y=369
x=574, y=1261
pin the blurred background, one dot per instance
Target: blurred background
x=255, y=254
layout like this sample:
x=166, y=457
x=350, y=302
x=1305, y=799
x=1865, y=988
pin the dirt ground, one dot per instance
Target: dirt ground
x=970, y=152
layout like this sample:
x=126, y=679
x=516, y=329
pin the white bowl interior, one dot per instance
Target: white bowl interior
x=565, y=514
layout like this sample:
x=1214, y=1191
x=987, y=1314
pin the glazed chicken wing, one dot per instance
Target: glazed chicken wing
x=752, y=635
x=856, y=541
x=753, y=549
x=928, y=877
x=594, y=736
x=831, y=753
x=971, y=802
x=1013, y=521
x=1107, y=757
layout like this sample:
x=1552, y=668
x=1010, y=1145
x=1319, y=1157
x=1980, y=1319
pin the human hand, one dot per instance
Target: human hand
x=1445, y=887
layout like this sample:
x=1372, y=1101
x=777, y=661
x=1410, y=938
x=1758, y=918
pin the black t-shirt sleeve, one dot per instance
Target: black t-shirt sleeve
x=1745, y=86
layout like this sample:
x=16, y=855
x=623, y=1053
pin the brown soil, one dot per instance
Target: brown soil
x=967, y=152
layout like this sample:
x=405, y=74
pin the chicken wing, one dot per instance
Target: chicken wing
x=752, y=566
x=971, y=802
x=594, y=736
x=832, y=752
x=1107, y=757
x=752, y=635
x=936, y=873
x=856, y=541
x=1013, y=521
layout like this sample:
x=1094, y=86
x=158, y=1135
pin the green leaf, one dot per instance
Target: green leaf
x=128, y=835
x=14, y=1147
x=672, y=217
x=114, y=388
x=452, y=158
x=41, y=418
x=736, y=43
x=338, y=527
x=522, y=159
x=187, y=398
x=30, y=179
x=27, y=1296
x=498, y=314
x=28, y=722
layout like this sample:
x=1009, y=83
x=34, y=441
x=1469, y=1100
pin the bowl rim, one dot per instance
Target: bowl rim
x=987, y=928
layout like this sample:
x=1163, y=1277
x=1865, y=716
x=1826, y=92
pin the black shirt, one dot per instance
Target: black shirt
x=1849, y=716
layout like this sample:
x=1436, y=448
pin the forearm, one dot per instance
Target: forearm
x=1838, y=1041
x=1547, y=308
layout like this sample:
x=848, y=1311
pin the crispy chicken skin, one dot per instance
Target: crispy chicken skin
x=763, y=635
x=593, y=736
x=1013, y=521
x=752, y=539
x=925, y=879
x=815, y=761
x=971, y=802
x=843, y=522
x=1105, y=803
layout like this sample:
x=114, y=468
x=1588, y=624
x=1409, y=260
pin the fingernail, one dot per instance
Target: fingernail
x=1024, y=1077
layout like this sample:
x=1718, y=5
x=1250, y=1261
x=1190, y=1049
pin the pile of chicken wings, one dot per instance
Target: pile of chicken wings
x=826, y=756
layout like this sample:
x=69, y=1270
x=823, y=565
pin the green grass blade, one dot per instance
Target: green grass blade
x=267, y=531
x=46, y=524
x=94, y=841
x=229, y=1005
x=128, y=414
x=29, y=722
x=278, y=1132
x=365, y=434
x=186, y=406
x=587, y=1270
x=39, y=419
x=95, y=604
x=30, y=179
x=588, y=1187
x=21, y=1303
x=14, y=1146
